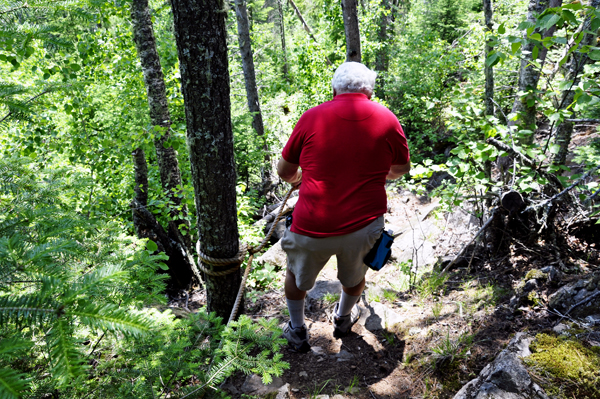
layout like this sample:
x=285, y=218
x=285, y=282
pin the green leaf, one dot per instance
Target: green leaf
x=75, y=67
x=549, y=20
x=501, y=29
x=595, y=24
x=526, y=25
x=536, y=36
x=594, y=55
x=151, y=246
x=535, y=53
x=584, y=98
x=492, y=60
x=569, y=17
x=514, y=47
x=554, y=148
x=573, y=6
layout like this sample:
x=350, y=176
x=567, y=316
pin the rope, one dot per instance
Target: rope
x=239, y=258
x=209, y=260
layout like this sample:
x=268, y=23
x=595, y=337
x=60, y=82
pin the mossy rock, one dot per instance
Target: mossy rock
x=535, y=274
x=569, y=369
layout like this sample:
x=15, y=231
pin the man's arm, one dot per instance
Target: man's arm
x=398, y=170
x=289, y=172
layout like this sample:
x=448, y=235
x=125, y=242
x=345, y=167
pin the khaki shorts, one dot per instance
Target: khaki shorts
x=306, y=256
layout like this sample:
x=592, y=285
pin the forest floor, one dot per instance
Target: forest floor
x=445, y=330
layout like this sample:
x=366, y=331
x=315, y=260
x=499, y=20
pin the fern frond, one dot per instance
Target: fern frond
x=66, y=360
x=12, y=383
x=111, y=318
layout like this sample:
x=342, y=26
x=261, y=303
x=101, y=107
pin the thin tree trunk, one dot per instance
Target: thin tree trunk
x=489, y=70
x=251, y=89
x=306, y=27
x=140, y=171
x=350, y=13
x=381, y=57
x=286, y=72
x=168, y=165
x=146, y=226
x=200, y=34
x=564, y=130
x=529, y=75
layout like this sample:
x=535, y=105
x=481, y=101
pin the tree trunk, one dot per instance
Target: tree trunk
x=564, y=130
x=286, y=69
x=140, y=171
x=200, y=34
x=146, y=226
x=381, y=57
x=351, y=30
x=252, y=90
x=168, y=165
x=529, y=75
x=489, y=70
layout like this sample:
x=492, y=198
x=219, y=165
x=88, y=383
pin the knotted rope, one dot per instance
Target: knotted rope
x=239, y=258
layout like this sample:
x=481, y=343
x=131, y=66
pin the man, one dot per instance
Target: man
x=346, y=148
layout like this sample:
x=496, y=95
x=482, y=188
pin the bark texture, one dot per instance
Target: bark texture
x=168, y=165
x=200, y=35
x=489, y=70
x=350, y=13
x=564, y=130
x=381, y=57
x=529, y=74
x=140, y=171
x=181, y=267
x=286, y=73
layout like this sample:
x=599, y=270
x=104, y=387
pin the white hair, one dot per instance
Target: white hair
x=353, y=77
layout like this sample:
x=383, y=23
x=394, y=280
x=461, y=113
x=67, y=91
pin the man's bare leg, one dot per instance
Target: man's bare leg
x=295, y=300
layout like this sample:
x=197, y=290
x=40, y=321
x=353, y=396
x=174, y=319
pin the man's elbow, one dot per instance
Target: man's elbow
x=397, y=171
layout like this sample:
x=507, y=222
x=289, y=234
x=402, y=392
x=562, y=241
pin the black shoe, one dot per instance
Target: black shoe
x=297, y=337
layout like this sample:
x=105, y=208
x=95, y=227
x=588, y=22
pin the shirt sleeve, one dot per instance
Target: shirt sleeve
x=293, y=148
x=399, y=145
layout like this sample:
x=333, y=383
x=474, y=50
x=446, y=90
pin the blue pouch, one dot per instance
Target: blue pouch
x=379, y=255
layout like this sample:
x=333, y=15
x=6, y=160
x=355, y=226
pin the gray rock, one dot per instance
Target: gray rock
x=344, y=355
x=560, y=328
x=378, y=316
x=275, y=256
x=283, y=392
x=254, y=385
x=323, y=287
x=277, y=232
x=303, y=374
x=506, y=377
x=552, y=272
x=574, y=293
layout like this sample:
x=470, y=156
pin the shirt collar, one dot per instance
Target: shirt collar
x=351, y=96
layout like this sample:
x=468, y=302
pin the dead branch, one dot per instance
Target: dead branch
x=306, y=27
x=583, y=120
x=525, y=160
x=464, y=248
x=563, y=192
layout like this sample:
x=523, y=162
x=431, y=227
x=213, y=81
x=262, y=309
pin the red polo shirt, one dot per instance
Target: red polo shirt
x=345, y=148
